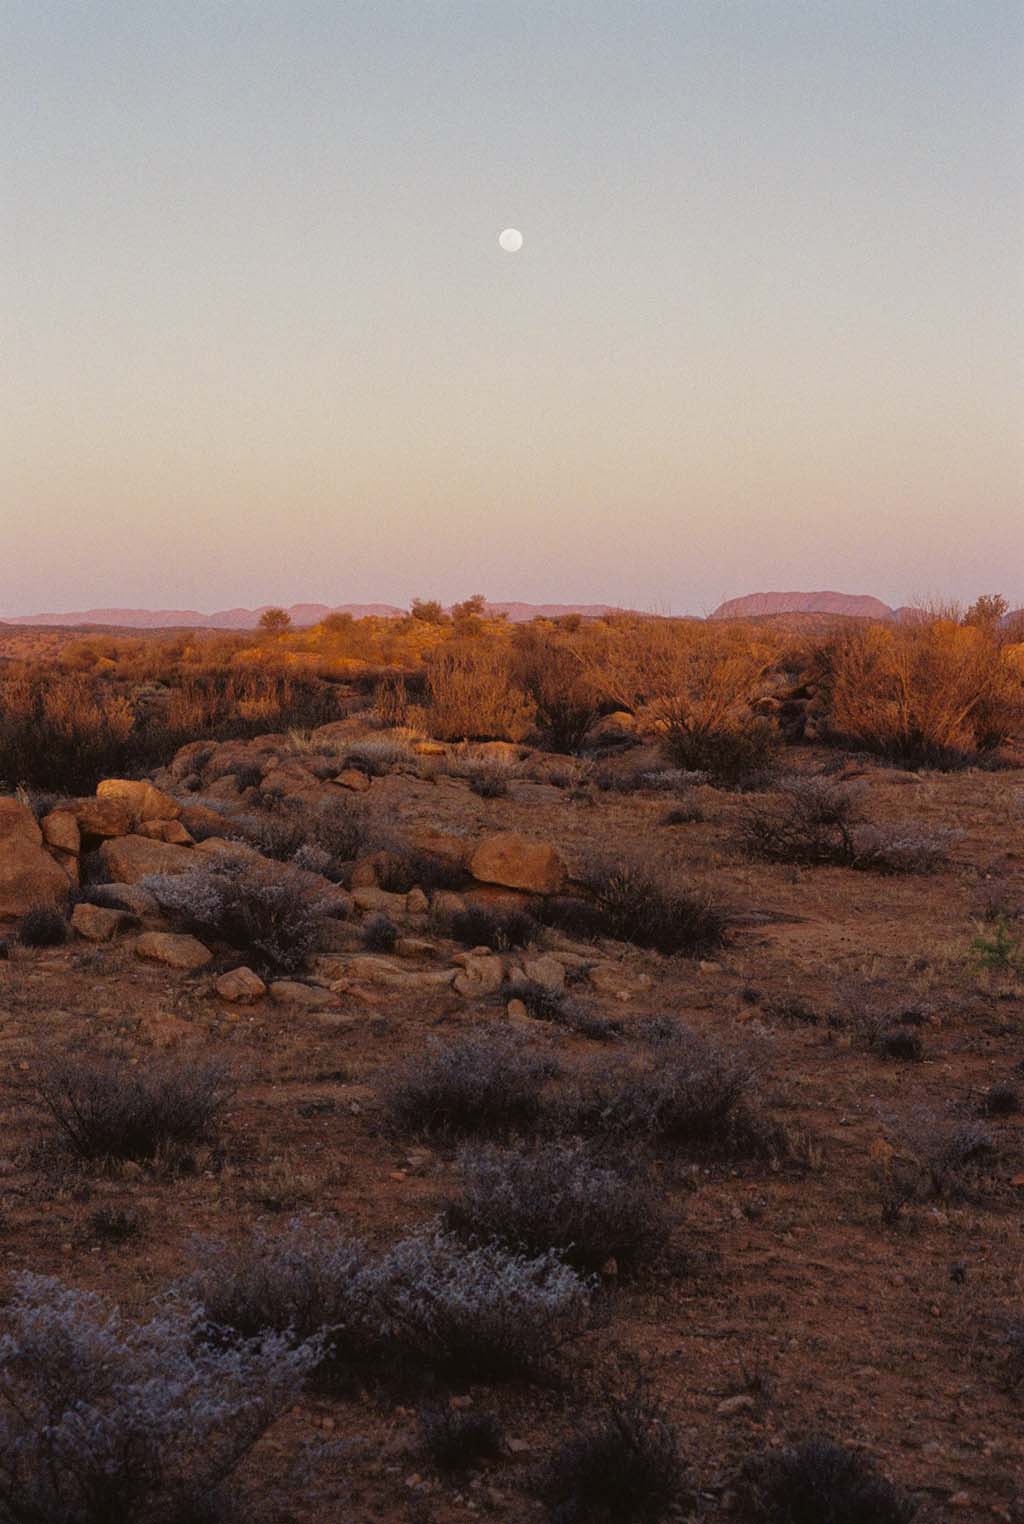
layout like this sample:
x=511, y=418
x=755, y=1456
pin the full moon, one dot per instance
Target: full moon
x=511, y=240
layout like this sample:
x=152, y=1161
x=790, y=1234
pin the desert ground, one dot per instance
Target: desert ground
x=776, y=1006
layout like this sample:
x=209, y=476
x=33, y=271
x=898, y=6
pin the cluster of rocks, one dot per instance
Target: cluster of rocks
x=136, y=830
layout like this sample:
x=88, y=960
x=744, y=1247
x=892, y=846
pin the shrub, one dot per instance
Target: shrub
x=44, y=926
x=427, y=1303
x=691, y=812
x=738, y=756
x=819, y=1482
x=557, y=1196
x=632, y=905
x=1001, y=1100
x=115, y=1225
x=380, y=934
x=272, y=916
x=103, y=1420
x=405, y=867
x=698, y=1097
x=488, y=781
x=937, y=1157
x=112, y=1109
x=474, y=694
x=502, y=930
x=626, y=1468
x=545, y=1004
x=929, y=694
x=458, y=1440
x=487, y=1083
x=814, y=821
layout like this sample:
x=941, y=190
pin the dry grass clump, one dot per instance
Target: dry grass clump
x=474, y=694
x=625, y=1467
x=820, y=1482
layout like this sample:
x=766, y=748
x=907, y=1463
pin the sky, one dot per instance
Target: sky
x=258, y=341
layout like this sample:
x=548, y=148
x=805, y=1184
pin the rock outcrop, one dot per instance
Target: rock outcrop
x=29, y=876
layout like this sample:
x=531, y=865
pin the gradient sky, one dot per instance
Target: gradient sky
x=258, y=341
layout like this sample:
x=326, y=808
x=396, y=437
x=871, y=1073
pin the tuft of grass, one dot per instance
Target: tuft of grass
x=998, y=950
x=457, y=1441
x=629, y=903
x=820, y=1482
x=501, y=930
x=43, y=926
x=623, y=1468
x=380, y=934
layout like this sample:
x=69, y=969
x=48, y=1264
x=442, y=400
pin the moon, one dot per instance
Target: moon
x=511, y=240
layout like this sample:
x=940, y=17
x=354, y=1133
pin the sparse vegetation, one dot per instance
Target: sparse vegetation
x=104, y=1420
x=817, y=822
x=44, y=926
x=625, y=1467
x=488, y=1084
x=110, y=1108
x=820, y=1482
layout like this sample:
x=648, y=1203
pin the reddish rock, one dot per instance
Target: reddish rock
x=176, y=951
x=516, y=862
x=143, y=800
x=28, y=874
x=129, y=859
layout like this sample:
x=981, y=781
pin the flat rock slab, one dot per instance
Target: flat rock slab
x=129, y=859
x=294, y=992
x=173, y=949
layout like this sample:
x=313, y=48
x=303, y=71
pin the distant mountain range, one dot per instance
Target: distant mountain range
x=752, y=606
x=302, y=615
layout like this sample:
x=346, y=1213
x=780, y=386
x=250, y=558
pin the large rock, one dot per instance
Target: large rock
x=98, y=924
x=516, y=862
x=103, y=817
x=173, y=949
x=28, y=874
x=165, y=830
x=130, y=859
x=144, y=801
x=60, y=830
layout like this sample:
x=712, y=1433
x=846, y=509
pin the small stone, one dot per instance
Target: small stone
x=293, y=992
x=240, y=984
x=739, y=1404
x=352, y=778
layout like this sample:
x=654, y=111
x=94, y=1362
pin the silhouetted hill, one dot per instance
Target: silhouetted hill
x=857, y=605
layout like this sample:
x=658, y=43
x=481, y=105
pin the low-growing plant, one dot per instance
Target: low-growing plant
x=108, y=1108
x=559, y=1006
x=458, y=1439
x=114, y=1224
x=559, y=1196
x=403, y=867
x=103, y=1420
x=624, y=1468
x=43, y=926
x=489, y=1083
x=273, y=916
x=428, y=1303
x=998, y=950
x=815, y=821
x=481, y=926
x=696, y=1096
x=820, y=1482
x=629, y=903
x=743, y=755
x=380, y=934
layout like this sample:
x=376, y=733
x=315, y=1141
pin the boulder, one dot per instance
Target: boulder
x=103, y=817
x=60, y=830
x=144, y=801
x=240, y=984
x=546, y=971
x=174, y=949
x=130, y=897
x=379, y=901
x=201, y=821
x=517, y=862
x=28, y=874
x=481, y=975
x=165, y=830
x=351, y=778
x=130, y=859
x=97, y=923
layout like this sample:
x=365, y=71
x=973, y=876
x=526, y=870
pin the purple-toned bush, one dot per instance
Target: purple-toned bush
x=427, y=1302
x=274, y=916
x=104, y=1420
